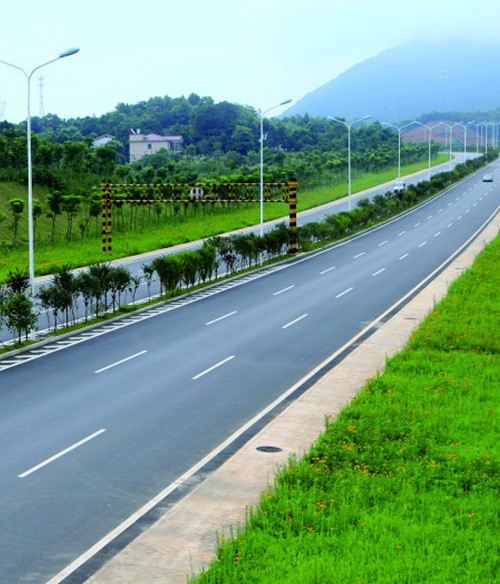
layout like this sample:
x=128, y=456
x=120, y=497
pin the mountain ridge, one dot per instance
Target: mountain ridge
x=408, y=80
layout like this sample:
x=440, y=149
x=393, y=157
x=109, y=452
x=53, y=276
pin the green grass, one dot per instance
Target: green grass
x=81, y=252
x=403, y=486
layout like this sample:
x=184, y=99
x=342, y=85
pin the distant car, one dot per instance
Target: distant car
x=488, y=178
x=399, y=188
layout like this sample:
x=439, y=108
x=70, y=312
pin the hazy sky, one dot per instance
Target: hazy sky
x=258, y=52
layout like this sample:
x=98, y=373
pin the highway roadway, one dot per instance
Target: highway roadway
x=134, y=264
x=91, y=432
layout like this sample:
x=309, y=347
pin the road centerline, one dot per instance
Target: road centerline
x=343, y=293
x=120, y=361
x=295, y=321
x=202, y=373
x=61, y=453
x=283, y=290
x=221, y=318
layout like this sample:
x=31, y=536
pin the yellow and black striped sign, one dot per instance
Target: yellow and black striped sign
x=196, y=194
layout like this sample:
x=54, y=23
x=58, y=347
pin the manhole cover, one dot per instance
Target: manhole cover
x=269, y=449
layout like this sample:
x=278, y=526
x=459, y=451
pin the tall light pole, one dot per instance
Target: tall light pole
x=261, y=115
x=465, y=137
x=485, y=126
x=477, y=134
x=450, y=128
x=348, y=126
x=399, y=129
x=28, y=76
x=429, y=131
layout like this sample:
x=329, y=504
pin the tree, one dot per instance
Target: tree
x=16, y=207
x=119, y=280
x=70, y=205
x=17, y=281
x=99, y=281
x=148, y=272
x=133, y=286
x=20, y=315
x=55, y=202
x=37, y=212
x=169, y=272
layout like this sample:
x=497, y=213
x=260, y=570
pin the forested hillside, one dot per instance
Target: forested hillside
x=221, y=142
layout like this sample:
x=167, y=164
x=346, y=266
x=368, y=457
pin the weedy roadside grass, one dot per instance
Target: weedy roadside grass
x=403, y=486
x=81, y=252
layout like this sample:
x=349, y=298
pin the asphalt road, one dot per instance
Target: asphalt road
x=92, y=432
x=134, y=263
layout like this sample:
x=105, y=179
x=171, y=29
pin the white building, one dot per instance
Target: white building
x=143, y=144
x=102, y=140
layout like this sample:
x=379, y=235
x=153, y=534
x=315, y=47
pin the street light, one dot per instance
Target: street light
x=465, y=138
x=399, y=129
x=261, y=115
x=450, y=127
x=477, y=134
x=28, y=76
x=349, y=125
x=429, y=130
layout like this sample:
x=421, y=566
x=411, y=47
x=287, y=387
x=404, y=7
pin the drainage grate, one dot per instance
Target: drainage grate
x=269, y=449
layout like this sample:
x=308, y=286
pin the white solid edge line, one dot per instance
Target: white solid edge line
x=213, y=367
x=221, y=318
x=59, y=454
x=97, y=547
x=121, y=361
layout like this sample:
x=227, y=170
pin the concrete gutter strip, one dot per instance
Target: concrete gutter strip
x=184, y=539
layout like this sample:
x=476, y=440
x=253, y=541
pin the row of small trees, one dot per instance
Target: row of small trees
x=104, y=288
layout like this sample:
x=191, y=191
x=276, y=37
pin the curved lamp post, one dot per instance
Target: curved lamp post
x=399, y=129
x=449, y=127
x=465, y=138
x=429, y=131
x=28, y=76
x=261, y=114
x=473, y=123
x=348, y=126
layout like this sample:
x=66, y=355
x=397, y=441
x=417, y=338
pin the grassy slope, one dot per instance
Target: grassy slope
x=84, y=252
x=403, y=487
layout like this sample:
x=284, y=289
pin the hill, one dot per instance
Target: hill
x=409, y=80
